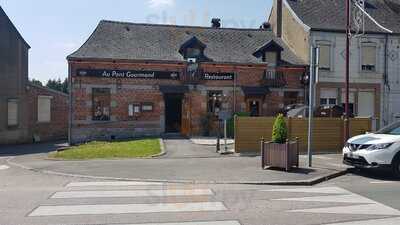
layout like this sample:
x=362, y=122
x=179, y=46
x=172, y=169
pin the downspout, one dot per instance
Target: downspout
x=70, y=105
x=386, y=85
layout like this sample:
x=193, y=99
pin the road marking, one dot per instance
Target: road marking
x=370, y=209
x=362, y=205
x=194, y=223
x=352, y=198
x=4, y=167
x=389, y=221
x=116, y=183
x=135, y=193
x=66, y=210
x=322, y=190
x=381, y=182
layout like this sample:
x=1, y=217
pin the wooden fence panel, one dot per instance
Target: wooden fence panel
x=328, y=134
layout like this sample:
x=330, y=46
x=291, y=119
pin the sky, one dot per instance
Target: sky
x=54, y=29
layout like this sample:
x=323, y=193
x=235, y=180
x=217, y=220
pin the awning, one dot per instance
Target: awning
x=170, y=89
x=255, y=91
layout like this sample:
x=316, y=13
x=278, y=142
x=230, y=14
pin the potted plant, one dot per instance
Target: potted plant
x=280, y=152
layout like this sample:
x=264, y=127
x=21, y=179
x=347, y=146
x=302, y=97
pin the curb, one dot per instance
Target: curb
x=309, y=182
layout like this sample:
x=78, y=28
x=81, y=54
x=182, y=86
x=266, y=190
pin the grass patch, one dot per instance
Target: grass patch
x=111, y=150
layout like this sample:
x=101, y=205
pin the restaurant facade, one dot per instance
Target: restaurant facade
x=131, y=80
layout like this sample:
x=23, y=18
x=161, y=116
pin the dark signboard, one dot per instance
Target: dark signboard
x=218, y=76
x=133, y=74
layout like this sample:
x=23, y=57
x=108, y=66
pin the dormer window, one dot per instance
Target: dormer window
x=193, y=53
x=271, y=57
x=193, y=49
x=270, y=53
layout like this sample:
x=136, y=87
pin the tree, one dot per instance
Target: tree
x=57, y=85
x=36, y=82
x=279, y=131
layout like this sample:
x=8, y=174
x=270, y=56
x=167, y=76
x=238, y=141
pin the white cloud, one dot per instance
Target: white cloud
x=160, y=3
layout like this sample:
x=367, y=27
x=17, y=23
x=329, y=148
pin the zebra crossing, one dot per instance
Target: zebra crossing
x=134, y=191
x=4, y=167
x=359, y=205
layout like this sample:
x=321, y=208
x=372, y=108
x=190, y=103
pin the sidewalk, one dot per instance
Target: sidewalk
x=239, y=170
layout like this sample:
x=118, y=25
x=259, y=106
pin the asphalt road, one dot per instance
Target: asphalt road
x=28, y=197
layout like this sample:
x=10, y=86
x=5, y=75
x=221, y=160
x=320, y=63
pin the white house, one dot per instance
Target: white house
x=374, y=63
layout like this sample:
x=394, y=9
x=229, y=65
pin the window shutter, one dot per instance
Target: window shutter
x=328, y=93
x=12, y=116
x=44, y=109
x=369, y=55
x=324, y=56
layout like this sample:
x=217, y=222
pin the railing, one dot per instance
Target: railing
x=273, y=78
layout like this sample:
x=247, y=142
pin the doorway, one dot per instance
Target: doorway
x=173, y=113
x=254, y=108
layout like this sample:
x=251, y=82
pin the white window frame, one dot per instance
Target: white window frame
x=368, y=44
x=330, y=46
x=41, y=112
x=333, y=95
x=15, y=116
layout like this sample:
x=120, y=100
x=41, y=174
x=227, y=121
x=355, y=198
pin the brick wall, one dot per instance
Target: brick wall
x=57, y=128
x=130, y=91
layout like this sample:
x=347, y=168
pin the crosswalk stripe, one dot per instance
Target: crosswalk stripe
x=388, y=221
x=115, y=183
x=370, y=209
x=134, y=193
x=322, y=190
x=331, y=198
x=4, y=167
x=194, y=223
x=381, y=182
x=100, y=209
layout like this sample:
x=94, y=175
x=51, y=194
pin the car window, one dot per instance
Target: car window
x=393, y=129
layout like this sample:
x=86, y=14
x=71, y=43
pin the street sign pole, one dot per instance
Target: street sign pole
x=347, y=75
x=314, y=67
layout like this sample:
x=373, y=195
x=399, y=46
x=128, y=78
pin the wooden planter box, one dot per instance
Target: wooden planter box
x=284, y=156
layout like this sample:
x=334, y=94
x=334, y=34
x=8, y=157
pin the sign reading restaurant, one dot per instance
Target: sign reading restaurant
x=218, y=76
x=134, y=74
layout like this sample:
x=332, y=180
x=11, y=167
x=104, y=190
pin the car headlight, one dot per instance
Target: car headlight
x=379, y=146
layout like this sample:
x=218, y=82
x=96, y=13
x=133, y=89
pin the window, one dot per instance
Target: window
x=324, y=57
x=351, y=101
x=328, y=97
x=101, y=104
x=368, y=58
x=290, y=97
x=44, y=109
x=12, y=115
x=193, y=53
x=214, y=101
x=271, y=58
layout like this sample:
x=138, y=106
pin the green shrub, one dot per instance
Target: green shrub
x=279, y=131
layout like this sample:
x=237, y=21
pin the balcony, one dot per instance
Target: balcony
x=274, y=79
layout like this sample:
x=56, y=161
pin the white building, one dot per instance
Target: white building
x=374, y=63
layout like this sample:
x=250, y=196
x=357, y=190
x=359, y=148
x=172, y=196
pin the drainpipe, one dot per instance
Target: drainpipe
x=279, y=19
x=70, y=105
x=386, y=85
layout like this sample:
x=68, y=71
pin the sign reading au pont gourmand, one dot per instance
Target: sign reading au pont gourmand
x=218, y=76
x=134, y=74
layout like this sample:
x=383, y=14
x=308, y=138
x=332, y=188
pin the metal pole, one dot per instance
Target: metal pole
x=225, y=137
x=311, y=106
x=347, y=84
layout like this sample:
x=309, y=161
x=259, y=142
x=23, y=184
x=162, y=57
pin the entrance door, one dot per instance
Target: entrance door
x=366, y=104
x=254, y=108
x=173, y=113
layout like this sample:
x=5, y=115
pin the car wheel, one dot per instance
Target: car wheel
x=396, y=167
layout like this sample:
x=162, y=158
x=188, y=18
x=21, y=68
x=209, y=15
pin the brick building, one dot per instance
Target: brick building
x=142, y=79
x=28, y=113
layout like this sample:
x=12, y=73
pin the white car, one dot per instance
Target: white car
x=379, y=149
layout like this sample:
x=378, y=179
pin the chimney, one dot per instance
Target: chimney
x=279, y=18
x=216, y=23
